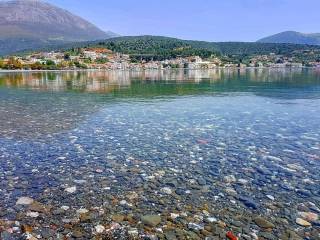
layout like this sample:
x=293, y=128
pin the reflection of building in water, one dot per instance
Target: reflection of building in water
x=108, y=81
x=178, y=75
x=273, y=74
x=88, y=81
x=198, y=75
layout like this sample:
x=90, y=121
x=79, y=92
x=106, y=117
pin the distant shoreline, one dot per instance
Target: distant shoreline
x=135, y=70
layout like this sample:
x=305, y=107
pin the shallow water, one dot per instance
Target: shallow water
x=208, y=151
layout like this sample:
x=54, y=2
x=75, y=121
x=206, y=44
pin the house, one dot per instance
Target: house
x=90, y=54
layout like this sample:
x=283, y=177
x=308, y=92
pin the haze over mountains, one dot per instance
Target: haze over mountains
x=293, y=37
x=27, y=24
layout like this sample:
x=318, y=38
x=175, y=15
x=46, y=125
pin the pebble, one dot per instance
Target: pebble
x=231, y=191
x=180, y=191
x=133, y=232
x=267, y=236
x=290, y=235
x=309, y=216
x=77, y=233
x=82, y=211
x=151, y=220
x=263, y=223
x=118, y=218
x=302, y=222
x=33, y=214
x=248, y=202
x=26, y=228
x=24, y=201
x=202, y=182
x=174, y=215
x=170, y=235
x=273, y=158
x=230, y=179
x=212, y=220
x=166, y=190
x=71, y=189
x=195, y=226
x=243, y=181
x=231, y=236
x=80, y=181
x=271, y=197
x=99, y=229
x=304, y=193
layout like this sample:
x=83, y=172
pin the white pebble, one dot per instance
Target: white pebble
x=271, y=197
x=166, y=190
x=65, y=208
x=71, y=189
x=82, y=211
x=99, y=228
x=212, y=220
x=24, y=201
x=32, y=214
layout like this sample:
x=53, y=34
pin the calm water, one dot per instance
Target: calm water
x=207, y=151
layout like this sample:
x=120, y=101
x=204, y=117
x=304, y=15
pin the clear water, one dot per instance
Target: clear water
x=112, y=134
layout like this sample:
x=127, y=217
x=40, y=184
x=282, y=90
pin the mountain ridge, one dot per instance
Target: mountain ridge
x=161, y=47
x=45, y=24
x=293, y=37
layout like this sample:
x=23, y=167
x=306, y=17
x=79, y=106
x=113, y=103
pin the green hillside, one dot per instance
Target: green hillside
x=160, y=48
x=164, y=47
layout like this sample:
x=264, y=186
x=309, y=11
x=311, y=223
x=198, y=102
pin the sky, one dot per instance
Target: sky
x=209, y=20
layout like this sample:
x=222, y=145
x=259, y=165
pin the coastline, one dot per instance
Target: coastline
x=136, y=70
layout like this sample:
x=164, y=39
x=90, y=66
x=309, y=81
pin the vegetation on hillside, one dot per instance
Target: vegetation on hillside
x=159, y=48
x=156, y=48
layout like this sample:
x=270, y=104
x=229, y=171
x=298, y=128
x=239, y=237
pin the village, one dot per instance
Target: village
x=102, y=58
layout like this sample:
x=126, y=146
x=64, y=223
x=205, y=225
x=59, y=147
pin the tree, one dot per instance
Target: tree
x=80, y=65
x=71, y=64
x=62, y=65
x=279, y=61
x=50, y=63
x=102, y=60
x=36, y=66
x=67, y=56
x=14, y=63
x=87, y=60
x=1, y=64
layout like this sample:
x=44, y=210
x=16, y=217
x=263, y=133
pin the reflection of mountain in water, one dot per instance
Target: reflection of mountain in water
x=282, y=83
x=44, y=103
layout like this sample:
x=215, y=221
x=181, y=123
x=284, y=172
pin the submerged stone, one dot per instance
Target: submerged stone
x=71, y=189
x=263, y=223
x=302, y=222
x=24, y=201
x=151, y=220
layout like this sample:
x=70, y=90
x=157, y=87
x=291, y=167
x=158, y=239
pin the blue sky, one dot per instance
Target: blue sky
x=211, y=20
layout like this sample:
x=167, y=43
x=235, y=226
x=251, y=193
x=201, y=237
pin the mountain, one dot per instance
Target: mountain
x=157, y=44
x=29, y=24
x=159, y=48
x=293, y=37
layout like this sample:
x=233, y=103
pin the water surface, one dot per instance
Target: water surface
x=199, y=148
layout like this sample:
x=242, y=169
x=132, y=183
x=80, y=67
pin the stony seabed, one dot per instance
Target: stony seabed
x=226, y=165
